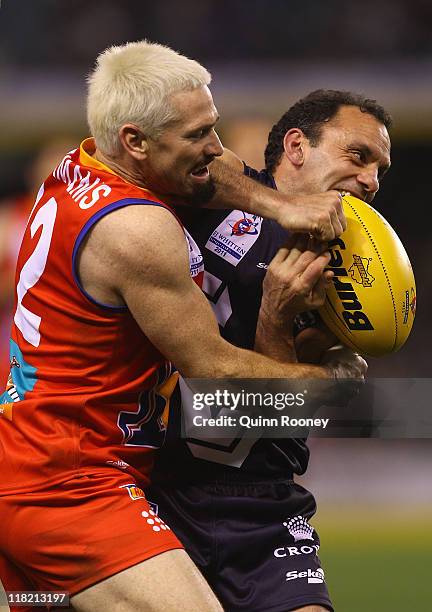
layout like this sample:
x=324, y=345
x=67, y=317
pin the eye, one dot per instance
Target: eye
x=359, y=155
x=198, y=134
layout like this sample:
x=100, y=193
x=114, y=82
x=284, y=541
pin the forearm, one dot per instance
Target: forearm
x=262, y=366
x=274, y=344
x=320, y=214
x=312, y=343
x=248, y=195
x=222, y=360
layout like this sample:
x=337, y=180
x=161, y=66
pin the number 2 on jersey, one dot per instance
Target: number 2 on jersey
x=28, y=322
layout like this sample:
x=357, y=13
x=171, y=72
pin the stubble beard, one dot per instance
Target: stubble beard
x=202, y=194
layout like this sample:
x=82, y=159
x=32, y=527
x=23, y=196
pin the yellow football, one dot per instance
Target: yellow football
x=371, y=304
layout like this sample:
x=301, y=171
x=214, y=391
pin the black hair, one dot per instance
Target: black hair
x=311, y=112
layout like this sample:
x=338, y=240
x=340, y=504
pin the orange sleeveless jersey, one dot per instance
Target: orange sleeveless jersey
x=87, y=390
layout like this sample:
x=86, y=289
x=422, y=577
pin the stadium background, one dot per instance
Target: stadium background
x=374, y=496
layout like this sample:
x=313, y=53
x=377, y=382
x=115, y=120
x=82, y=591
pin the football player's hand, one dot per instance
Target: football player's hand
x=345, y=363
x=296, y=281
x=349, y=369
x=320, y=215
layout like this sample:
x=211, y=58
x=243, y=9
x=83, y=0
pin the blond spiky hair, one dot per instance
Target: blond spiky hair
x=132, y=83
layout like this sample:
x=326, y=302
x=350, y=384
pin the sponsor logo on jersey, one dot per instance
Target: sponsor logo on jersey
x=359, y=271
x=313, y=576
x=299, y=528
x=234, y=236
x=134, y=491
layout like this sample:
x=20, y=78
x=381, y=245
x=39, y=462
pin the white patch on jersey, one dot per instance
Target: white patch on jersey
x=222, y=308
x=196, y=261
x=235, y=236
x=217, y=450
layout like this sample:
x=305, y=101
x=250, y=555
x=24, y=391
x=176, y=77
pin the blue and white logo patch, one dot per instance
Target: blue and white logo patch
x=235, y=236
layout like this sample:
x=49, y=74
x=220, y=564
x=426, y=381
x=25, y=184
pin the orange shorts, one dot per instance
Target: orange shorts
x=73, y=536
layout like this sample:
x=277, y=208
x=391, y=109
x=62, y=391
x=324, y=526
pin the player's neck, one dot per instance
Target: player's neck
x=121, y=168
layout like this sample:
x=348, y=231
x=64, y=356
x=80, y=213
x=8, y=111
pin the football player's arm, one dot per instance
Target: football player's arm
x=144, y=263
x=320, y=215
x=311, y=343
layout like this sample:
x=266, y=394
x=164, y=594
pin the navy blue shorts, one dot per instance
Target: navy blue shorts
x=252, y=542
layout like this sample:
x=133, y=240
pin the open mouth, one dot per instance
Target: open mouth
x=201, y=173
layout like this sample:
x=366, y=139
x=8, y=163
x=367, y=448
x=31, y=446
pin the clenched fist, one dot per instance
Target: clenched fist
x=320, y=215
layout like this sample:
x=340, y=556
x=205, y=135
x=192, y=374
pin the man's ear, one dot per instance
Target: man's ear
x=293, y=142
x=133, y=141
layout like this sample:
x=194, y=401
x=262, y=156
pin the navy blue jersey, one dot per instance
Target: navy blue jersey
x=237, y=248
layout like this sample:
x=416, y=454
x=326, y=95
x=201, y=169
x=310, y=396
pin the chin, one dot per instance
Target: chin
x=201, y=194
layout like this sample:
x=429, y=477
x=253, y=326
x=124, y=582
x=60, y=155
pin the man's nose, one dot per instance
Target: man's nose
x=214, y=146
x=369, y=180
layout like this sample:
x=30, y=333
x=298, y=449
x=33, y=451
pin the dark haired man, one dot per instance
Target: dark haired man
x=235, y=505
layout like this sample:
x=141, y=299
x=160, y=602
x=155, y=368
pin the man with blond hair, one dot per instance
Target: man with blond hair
x=108, y=298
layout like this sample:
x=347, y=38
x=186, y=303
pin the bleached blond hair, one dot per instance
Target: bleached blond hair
x=132, y=83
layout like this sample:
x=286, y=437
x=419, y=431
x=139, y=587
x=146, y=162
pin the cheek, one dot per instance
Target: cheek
x=182, y=159
x=171, y=166
x=341, y=171
x=321, y=177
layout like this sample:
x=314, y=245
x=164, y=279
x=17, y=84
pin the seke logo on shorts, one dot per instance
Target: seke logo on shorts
x=235, y=236
x=313, y=576
x=120, y=464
